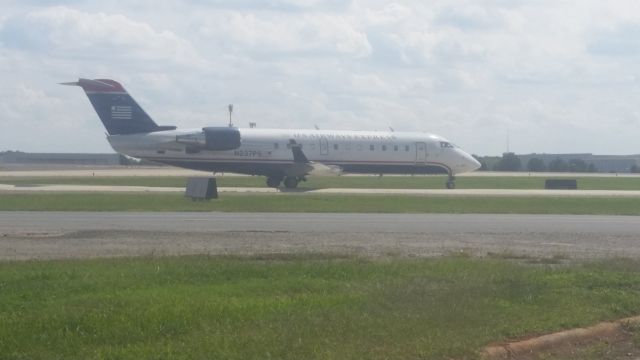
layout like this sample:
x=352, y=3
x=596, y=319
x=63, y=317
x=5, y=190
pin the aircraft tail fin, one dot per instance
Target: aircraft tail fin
x=117, y=110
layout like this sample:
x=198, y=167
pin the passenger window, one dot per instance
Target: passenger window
x=335, y=146
x=359, y=147
x=395, y=147
x=406, y=148
x=275, y=146
x=384, y=147
x=371, y=147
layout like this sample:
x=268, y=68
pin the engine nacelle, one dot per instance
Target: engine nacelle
x=221, y=138
x=211, y=138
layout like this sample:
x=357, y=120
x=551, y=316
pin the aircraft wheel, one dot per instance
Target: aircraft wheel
x=451, y=184
x=291, y=182
x=273, y=182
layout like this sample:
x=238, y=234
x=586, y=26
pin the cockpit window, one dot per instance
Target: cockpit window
x=446, y=145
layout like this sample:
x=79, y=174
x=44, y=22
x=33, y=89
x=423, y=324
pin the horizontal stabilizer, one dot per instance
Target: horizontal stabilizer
x=97, y=85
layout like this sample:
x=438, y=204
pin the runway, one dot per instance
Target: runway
x=350, y=191
x=106, y=172
x=313, y=222
x=47, y=235
x=10, y=170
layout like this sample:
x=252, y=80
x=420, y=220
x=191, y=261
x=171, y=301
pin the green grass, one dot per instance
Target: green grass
x=318, y=203
x=297, y=307
x=385, y=182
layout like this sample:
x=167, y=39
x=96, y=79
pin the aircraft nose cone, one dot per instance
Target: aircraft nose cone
x=468, y=163
x=475, y=164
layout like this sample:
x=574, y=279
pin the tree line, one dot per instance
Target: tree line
x=511, y=162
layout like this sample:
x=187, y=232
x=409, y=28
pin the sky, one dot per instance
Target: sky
x=544, y=76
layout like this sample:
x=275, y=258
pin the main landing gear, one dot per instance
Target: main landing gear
x=290, y=182
x=451, y=182
x=274, y=181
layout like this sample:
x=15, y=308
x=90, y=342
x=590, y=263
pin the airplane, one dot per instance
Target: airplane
x=284, y=156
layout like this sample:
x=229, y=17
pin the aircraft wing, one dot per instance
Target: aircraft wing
x=303, y=166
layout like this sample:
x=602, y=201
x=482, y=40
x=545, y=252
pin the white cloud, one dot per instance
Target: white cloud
x=64, y=32
x=469, y=17
x=390, y=14
x=27, y=116
x=560, y=75
x=288, y=34
x=622, y=40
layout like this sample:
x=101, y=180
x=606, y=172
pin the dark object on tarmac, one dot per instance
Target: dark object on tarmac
x=567, y=184
x=201, y=188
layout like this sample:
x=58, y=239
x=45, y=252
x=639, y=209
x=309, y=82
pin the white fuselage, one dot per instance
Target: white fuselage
x=284, y=156
x=268, y=151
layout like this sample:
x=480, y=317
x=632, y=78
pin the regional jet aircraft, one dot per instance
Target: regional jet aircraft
x=282, y=155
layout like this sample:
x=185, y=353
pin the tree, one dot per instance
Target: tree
x=491, y=162
x=577, y=165
x=536, y=165
x=558, y=165
x=483, y=163
x=509, y=162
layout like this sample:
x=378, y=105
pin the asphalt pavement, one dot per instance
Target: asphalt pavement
x=324, y=223
x=350, y=191
x=58, y=235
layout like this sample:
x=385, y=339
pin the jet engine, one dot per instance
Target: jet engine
x=212, y=139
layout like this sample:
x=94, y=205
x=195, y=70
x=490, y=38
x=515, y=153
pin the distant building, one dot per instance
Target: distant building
x=16, y=157
x=602, y=163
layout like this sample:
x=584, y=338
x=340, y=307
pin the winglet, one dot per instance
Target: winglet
x=298, y=155
x=74, y=83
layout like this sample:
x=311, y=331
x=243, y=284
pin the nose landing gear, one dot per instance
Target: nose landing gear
x=451, y=182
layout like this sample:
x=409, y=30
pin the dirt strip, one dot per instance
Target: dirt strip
x=604, y=330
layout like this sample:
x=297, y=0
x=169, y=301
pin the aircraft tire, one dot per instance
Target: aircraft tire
x=291, y=182
x=273, y=182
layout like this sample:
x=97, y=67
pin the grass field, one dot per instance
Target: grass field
x=385, y=182
x=297, y=307
x=318, y=203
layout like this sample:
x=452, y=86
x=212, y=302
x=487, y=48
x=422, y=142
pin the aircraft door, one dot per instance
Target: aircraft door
x=421, y=153
x=324, y=146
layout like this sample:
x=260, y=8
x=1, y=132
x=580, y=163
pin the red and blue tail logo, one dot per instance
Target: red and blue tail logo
x=117, y=110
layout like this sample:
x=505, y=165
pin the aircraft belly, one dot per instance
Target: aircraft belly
x=284, y=167
x=249, y=168
x=395, y=169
